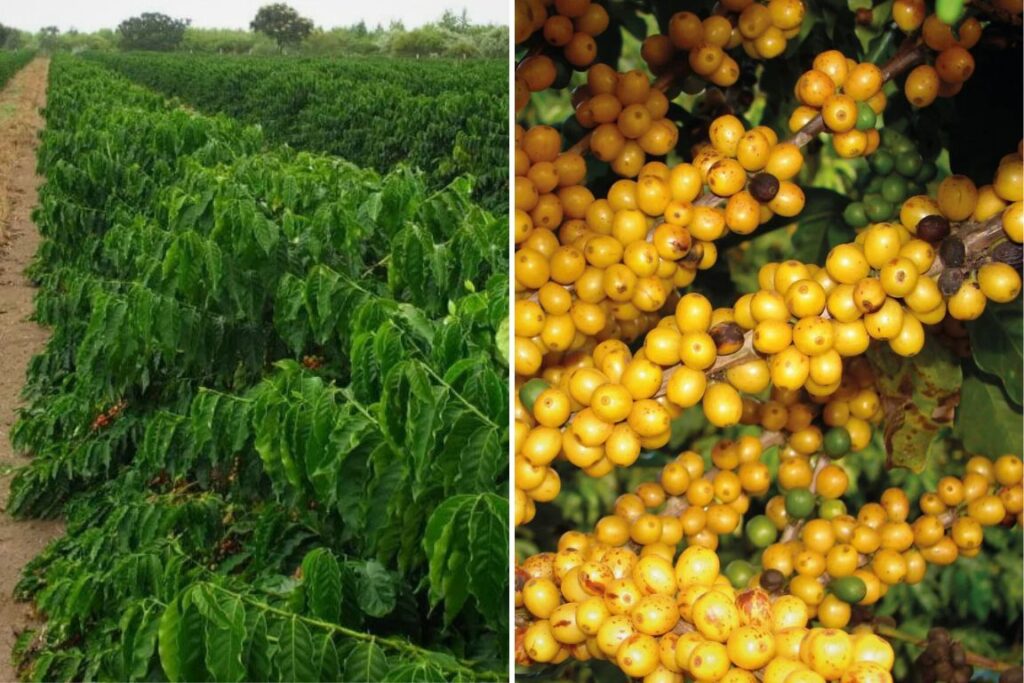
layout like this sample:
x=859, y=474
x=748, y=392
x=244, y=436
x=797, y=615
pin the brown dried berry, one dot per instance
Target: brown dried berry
x=952, y=252
x=772, y=580
x=1009, y=253
x=933, y=228
x=763, y=187
x=950, y=281
x=728, y=338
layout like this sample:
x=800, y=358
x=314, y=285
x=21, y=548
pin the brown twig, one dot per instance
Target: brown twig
x=977, y=239
x=991, y=11
x=973, y=658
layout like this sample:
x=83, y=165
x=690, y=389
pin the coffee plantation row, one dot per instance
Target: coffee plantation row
x=11, y=62
x=272, y=409
x=447, y=118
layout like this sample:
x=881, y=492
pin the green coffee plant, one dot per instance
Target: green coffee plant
x=11, y=62
x=447, y=118
x=271, y=409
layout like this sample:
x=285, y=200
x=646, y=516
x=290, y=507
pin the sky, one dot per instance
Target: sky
x=91, y=15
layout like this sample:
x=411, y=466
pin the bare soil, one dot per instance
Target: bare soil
x=20, y=338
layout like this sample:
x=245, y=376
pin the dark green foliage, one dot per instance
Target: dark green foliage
x=282, y=23
x=151, y=31
x=447, y=118
x=308, y=454
x=12, y=62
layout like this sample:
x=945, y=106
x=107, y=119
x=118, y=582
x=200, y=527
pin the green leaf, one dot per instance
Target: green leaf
x=296, y=657
x=321, y=576
x=140, y=630
x=488, y=535
x=817, y=225
x=330, y=666
x=376, y=588
x=366, y=662
x=502, y=340
x=181, y=643
x=256, y=650
x=986, y=421
x=224, y=640
x=192, y=645
x=170, y=654
x=454, y=528
x=415, y=672
x=997, y=345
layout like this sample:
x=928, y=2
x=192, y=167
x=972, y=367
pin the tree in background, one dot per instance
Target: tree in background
x=49, y=38
x=152, y=31
x=10, y=38
x=419, y=42
x=283, y=24
x=456, y=23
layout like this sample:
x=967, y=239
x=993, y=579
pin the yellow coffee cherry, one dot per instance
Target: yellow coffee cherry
x=957, y=196
x=750, y=648
x=715, y=616
x=1009, y=181
x=886, y=322
x=869, y=648
x=847, y=264
x=709, y=661
x=638, y=655
x=828, y=652
x=722, y=404
x=968, y=303
x=833, y=612
x=789, y=369
x=655, y=614
x=999, y=282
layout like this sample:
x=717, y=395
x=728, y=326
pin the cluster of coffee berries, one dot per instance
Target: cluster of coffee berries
x=567, y=25
x=615, y=593
x=952, y=64
x=660, y=621
x=725, y=162
x=836, y=560
x=762, y=31
x=848, y=97
x=626, y=118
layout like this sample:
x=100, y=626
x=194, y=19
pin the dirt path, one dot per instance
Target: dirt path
x=20, y=123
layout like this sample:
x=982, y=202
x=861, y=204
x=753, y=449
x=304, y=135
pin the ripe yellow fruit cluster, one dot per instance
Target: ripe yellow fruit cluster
x=626, y=116
x=603, y=403
x=619, y=259
x=701, y=504
x=570, y=25
x=695, y=503
x=661, y=621
x=621, y=593
x=725, y=162
x=762, y=30
x=855, y=407
x=881, y=548
x=621, y=404
x=842, y=91
x=952, y=65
